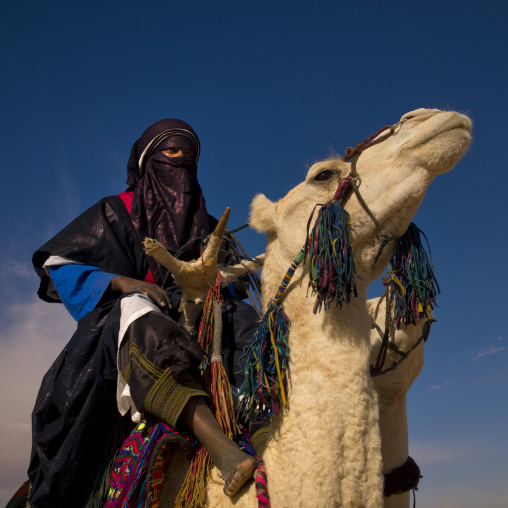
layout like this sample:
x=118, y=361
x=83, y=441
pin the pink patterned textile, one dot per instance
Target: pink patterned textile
x=128, y=485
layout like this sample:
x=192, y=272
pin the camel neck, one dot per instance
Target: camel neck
x=333, y=417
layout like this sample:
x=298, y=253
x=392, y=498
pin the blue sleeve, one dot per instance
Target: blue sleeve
x=80, y=287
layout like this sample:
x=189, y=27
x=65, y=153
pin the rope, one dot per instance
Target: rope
x=353, y=154
x=390, y=344
x=403, y=354
x=231, y=231
x=381, y=357
x=261, y=478
x=361, y=146
x=253, y=282
x=289, y=275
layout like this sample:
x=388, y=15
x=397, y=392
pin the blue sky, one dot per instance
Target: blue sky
x=269, y=87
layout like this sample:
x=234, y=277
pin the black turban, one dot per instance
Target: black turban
x=168, y=202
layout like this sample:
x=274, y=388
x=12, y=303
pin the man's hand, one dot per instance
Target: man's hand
x=121, y=284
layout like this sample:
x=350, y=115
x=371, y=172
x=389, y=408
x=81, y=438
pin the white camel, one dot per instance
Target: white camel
x=326, y=450
x=390, y=388
x=329, y=450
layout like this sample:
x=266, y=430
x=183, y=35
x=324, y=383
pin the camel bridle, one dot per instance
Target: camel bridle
x=352, y=155
x=386, y=238
x=351, y=184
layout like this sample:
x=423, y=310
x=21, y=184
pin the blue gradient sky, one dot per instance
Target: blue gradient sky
x=268, y=88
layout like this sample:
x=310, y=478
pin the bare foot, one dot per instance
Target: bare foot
x=235, y=466
x=240, y=473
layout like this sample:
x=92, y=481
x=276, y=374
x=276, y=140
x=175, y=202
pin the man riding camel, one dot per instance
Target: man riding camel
x=128, y=352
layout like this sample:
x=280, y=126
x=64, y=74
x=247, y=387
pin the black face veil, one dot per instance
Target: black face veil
x=168, y=202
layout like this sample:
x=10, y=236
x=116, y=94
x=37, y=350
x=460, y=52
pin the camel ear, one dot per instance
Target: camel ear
x=263, y=214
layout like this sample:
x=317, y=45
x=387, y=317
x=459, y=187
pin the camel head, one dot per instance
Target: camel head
x=393, y=177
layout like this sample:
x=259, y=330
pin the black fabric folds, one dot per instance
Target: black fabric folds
x=102, y=236
x=168, y=205
x=75, y=414
x=168, y=202
x=75, y=419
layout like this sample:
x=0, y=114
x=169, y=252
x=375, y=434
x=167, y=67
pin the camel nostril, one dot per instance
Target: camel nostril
x=421, y=112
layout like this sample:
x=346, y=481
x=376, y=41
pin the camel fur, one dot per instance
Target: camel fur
x=326, y=451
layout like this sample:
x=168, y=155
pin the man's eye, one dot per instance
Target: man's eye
x=324, y=175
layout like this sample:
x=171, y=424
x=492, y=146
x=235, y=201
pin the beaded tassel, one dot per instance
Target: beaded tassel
x=206, y=325
x=193, y=491
x=331, y=262
x=217, y=383
x=414, y=286
x=264, y=389
x=266, y=366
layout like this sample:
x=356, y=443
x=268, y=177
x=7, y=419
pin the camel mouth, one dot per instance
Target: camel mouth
x=458, y=122
x=454, y=123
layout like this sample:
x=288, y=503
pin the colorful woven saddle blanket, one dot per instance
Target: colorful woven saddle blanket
x=137, y=475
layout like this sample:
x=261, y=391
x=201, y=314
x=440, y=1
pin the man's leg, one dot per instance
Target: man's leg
x=235, y=465
x=155, y=358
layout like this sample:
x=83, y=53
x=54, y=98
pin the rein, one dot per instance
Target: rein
x=386, y=343
x=386, y=238
x=344, y=190
x=351, y=183
x=330, y=261
x=352, y=155
x=408, y=475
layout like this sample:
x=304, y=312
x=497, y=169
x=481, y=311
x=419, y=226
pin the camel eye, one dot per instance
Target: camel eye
x=324, y=175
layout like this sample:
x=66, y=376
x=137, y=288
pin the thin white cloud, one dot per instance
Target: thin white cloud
x=32, y=336
x=467, y=450
x=492, y=350
x=11, y=268
x=460, y=496
x=431, y=452
x=437, y=387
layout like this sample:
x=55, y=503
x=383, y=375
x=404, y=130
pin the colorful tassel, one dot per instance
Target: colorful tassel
x=261, y=477
x=264, y=389
x=206, y=325
x=223, y=406
x=266, y=366
x=217, y=382
x=331, y=262
x=414, y=286
x=193, y=491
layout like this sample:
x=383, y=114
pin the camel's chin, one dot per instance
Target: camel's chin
x=459, y=138
x=439, y=142
x=456, y=140
x=442, y=152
